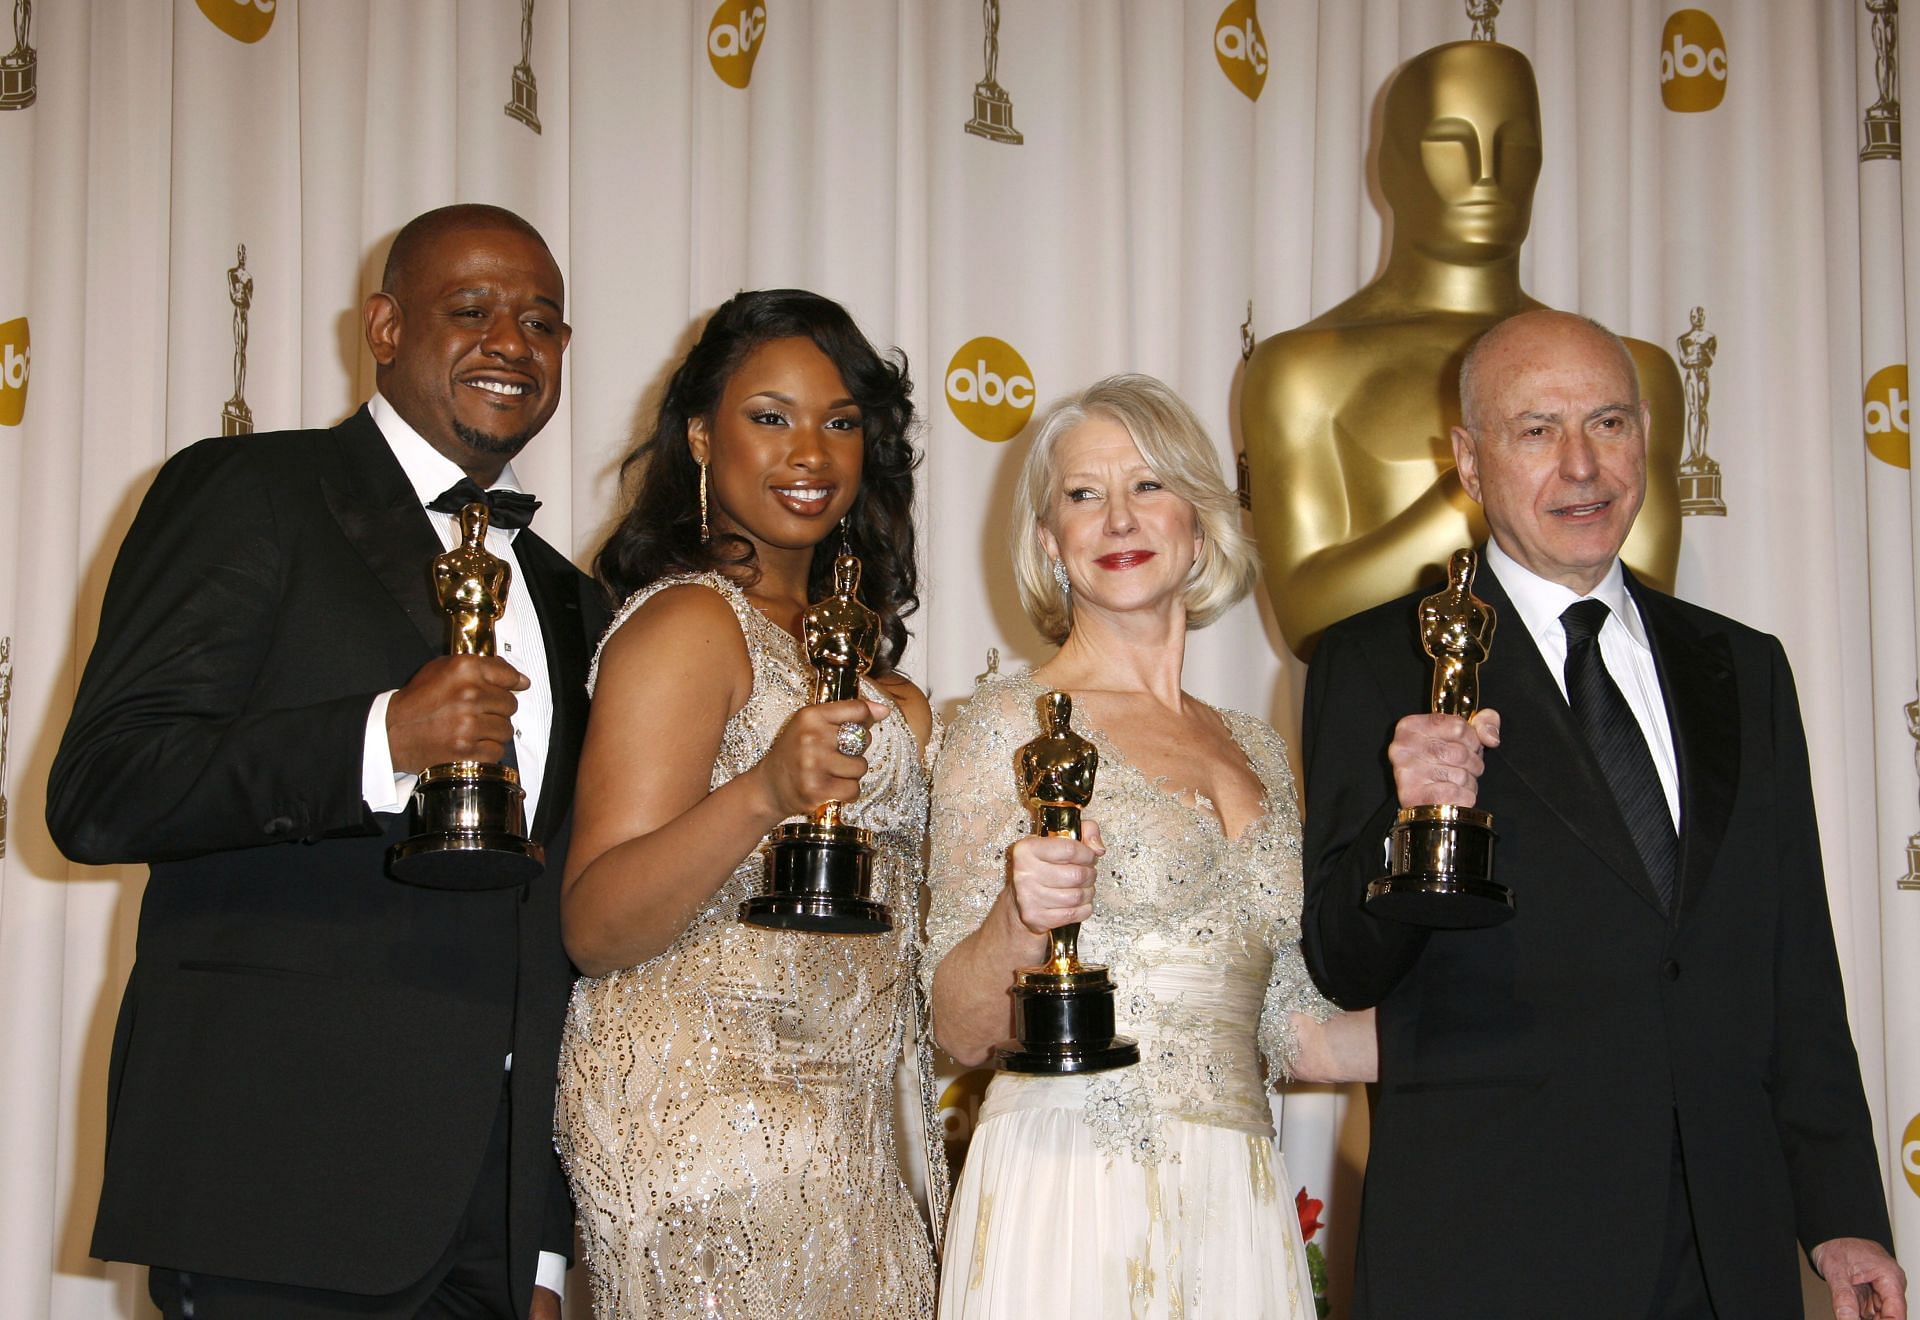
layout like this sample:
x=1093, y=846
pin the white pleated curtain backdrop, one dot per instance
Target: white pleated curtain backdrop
x=687, y=150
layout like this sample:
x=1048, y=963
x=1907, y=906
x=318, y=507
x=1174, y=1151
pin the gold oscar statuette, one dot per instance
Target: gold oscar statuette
x=1440, y=858
x=525, y=105
x=1346, y=419
x=992, y=107
x=19, y=67
x=469, y=816
x=1063, y=1009
x=820, y=870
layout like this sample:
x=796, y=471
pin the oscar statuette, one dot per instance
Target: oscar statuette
x=820, y=870
x=469, y=816
x=1440, y=858
x=1063, y=1009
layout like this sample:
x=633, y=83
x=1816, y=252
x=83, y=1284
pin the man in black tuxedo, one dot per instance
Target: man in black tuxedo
x=332, y=1093
x=1633, y=1098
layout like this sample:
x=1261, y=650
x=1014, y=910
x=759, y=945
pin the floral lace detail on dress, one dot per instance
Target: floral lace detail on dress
x=1201, y=932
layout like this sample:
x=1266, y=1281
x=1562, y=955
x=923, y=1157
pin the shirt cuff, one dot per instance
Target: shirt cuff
x=381, y=787
x=551, y=1272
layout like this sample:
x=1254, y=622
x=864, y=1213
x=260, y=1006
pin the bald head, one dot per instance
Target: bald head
x=1541, y=330
x=1554, y=447
x=421, y=236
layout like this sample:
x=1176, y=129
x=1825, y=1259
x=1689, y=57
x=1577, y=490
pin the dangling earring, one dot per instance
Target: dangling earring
x=706, y=534
x=1060, y=576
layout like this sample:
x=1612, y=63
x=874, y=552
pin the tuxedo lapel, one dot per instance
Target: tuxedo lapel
x=1542, y=745
x=1703, y=710
x=376, y=507
x=553, y=586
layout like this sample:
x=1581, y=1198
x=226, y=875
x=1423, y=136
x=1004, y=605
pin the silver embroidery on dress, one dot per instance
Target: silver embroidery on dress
x=726, y=1107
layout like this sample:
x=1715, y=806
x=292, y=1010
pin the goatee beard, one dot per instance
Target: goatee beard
x=482, y=443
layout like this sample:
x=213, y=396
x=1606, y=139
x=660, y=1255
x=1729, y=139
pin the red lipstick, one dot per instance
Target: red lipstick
x=1120, y=560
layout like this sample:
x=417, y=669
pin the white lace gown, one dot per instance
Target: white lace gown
x=725, y=1109
x=1156, y=1190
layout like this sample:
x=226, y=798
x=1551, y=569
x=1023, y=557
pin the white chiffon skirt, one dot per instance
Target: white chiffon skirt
x=1046, y=1224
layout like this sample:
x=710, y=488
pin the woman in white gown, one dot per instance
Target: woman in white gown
x=1154, y=1190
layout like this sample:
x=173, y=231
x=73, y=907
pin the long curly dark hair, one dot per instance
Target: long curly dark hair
x=659, y=534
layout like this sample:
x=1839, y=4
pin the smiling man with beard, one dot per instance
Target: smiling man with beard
x=332, y=1093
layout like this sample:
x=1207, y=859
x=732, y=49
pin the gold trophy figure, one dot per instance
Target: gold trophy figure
x=236, y=418
x=19, y=67
x=992, y=107
x=1062, y=1009
x=470, y=815
x=1346, y=418
x=1882, y=123
x=820, y=870
x=1699, y=474
x=1440, y=860
x=525, y=105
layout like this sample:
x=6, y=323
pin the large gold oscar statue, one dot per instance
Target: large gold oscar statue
x=1355, y=500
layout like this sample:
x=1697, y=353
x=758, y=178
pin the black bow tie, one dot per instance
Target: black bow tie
x=510, y=508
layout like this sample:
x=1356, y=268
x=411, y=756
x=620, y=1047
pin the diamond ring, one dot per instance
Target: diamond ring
x=853, y=738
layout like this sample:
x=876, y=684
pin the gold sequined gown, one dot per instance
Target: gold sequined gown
x=726, y=1108
x=1156, y=1190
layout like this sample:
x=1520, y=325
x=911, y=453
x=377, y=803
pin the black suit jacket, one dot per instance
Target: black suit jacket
x=309, y=1056
x=1532, y=1074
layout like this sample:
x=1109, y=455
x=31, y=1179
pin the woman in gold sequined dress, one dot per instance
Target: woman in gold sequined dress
x=1154, y=1190
x=726, y=1092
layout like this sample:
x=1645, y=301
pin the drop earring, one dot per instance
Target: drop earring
x=706, y=533
x=1060, y=576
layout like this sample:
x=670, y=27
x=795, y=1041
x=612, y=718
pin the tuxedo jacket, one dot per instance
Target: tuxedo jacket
x=1533, y=1075
x=310, y=1056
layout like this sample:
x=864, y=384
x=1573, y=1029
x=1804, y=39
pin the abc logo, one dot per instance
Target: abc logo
x=1241, y=48
x=243, y=20
x=733, y=40
x=960, y=1109
x=16, y=364
x=990, y=388
x=1886, y=415
x=1910, y=1153
x=1693, y=61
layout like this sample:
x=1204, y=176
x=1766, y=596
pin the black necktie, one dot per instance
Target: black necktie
x=1620, y=747
x=510, y=508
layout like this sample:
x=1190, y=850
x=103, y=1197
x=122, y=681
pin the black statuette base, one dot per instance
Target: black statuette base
x=1441, y=872
x=1064, y=1029
x=819, y=878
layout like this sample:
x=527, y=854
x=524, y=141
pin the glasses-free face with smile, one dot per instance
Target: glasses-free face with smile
x=784, y=448
x=1559, y=461
x=469, y=345
x=1128, y=542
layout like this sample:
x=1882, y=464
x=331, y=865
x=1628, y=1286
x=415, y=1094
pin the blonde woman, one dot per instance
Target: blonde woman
x=1155, y=1190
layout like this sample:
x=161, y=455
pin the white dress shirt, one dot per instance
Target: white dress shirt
x=1623, y=649
x=517, y=632
x=521, y=644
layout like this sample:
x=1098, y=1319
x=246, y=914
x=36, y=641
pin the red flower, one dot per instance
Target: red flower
x=1309, y=1210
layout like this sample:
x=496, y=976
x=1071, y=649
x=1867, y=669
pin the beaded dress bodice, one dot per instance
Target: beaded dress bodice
x=1201, y=932
x=726, y=1111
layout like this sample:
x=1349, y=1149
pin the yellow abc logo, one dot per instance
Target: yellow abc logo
x=990, y=388
x=1910, y=1153
x=1886, y=414
x=733, y=40
x=960, y=1104
x=16, y=364
x=1693, y=61
x=243, y=20
x=1241, y=48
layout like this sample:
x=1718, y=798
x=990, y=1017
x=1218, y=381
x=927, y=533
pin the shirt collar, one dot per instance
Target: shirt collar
x=1541, y=603
x=428, y=470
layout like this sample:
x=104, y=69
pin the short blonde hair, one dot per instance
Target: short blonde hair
x=1175, y=445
